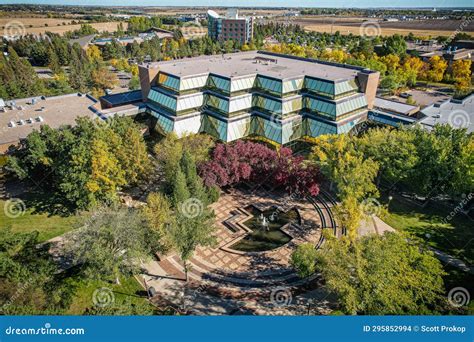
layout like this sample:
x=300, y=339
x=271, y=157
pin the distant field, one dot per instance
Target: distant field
x=355, y=25
x=38, y=25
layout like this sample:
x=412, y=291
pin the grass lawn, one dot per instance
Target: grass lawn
x=48, y=226
x=129, y=290
x=456, y=237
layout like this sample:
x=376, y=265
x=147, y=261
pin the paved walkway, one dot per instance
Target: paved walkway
x=452, y=261
x=226, y=281
x=195, y=300
x=221, y=265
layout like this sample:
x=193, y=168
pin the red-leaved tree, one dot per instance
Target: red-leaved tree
x=245, y=161
x=296, y=176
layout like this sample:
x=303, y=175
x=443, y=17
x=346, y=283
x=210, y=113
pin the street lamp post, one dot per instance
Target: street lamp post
x=390, y=198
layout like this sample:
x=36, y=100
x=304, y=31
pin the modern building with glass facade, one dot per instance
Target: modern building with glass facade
x=280, y=97
x=229, y=27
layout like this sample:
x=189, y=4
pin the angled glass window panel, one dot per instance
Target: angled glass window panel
x=221, y=83
x=165, y=124
x=270, y=85
x=190, y=102
x=351, y=105
x=272, y=131
x=319, y=86
x=216, y=128
x=287, y=132
x=169, y=81
x=324, y=87
x=218, y=103
x=189, y=125
x=345, y=87
x=162, y=99
x=291, y=106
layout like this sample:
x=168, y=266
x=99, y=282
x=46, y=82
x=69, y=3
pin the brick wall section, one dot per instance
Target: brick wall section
x=368, y=83
x=147, y=74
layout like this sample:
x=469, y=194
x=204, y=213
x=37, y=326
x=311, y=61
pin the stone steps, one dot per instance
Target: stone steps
x=260, y=274
x=199, y=274
x=251, y=283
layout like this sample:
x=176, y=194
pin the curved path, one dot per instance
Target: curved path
x=235, y=276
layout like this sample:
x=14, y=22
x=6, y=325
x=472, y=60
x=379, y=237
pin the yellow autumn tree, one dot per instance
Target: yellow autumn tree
x=462, y=76
x=437, y=67
x=106, y=175
x=102, y=78
x=349, y=215
x=94, y=54
x=391, y=61
x=412, y=68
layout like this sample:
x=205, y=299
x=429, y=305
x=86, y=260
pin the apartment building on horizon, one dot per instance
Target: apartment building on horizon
x=231, y=26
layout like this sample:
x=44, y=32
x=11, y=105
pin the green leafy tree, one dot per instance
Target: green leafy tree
x=188, y=233
x=80, y=70
x=111, y=243
x=437, y=67
x=18, y=76
x=349, y=215
x=28, y=276
x=382, y=275
x=134, y=83
x=303, y=259
x=394, y=150
x=106, y=176
x=180, y=189
x=342, y=164
x=130, y=148
x=444, y=163
x=462, y=76
x=395, y=44
x=83, y=165
x=159, y=217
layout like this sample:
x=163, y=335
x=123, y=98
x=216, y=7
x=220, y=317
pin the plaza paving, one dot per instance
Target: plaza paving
x=223, y=280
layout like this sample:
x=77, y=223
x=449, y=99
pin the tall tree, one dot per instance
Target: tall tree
x=342, y=164
x=382, y=275
x=180, y=188
x=111, y=242
x=462, y=76
x=394, y=150
x=189, y=233
x=159, y=216
x=437, y=67
x=395, y=44
x=106, y=175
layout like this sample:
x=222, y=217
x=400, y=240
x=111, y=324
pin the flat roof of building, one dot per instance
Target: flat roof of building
x=123, y=97
x=394, y=106
x=458, y=114
x=258, y=62
x=57, y=111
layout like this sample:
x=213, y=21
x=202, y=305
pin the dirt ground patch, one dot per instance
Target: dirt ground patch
x=38, y=25
x=356, y=25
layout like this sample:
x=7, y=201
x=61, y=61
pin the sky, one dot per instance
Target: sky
x=255, y=3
